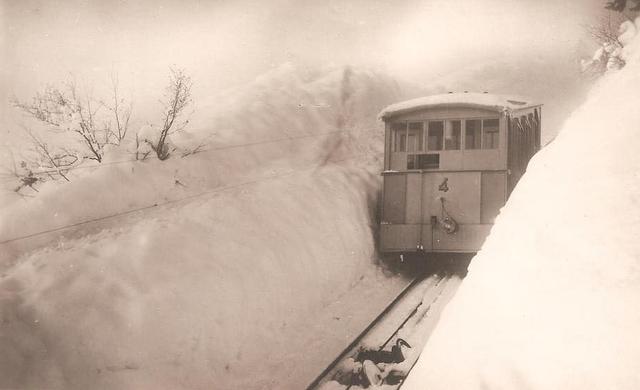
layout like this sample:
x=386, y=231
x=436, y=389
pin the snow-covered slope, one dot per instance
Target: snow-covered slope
x=220, y=288
x=551, y=302
x=285, y=121
x=213, y=293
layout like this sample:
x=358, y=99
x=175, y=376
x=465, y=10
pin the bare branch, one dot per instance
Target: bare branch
x=199, y=148
x=58, y=160
x=120, y=110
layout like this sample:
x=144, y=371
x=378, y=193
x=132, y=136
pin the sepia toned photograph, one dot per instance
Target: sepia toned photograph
x=319, y=195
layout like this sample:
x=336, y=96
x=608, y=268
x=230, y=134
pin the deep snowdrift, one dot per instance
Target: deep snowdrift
x=214, y=293
x=286, y=120
x=551, y=302
x=218, y=290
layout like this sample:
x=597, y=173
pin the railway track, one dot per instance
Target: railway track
x=410, y=316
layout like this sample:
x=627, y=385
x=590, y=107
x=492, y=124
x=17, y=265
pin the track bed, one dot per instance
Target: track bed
x=410, y=317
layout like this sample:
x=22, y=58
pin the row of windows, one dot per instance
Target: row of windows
x=445, y=135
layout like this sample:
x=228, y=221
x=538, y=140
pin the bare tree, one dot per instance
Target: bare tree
x=121, y=112
x=606, y=30
x=67, y=110
x=177, y=98
x=608, y=56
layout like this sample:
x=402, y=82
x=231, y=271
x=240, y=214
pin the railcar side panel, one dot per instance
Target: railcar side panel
x=493, y=195
x=387, y=146
x=468, y=238
x=395, y=189
x=524, y=142
x=399, y=238
x=414, y=198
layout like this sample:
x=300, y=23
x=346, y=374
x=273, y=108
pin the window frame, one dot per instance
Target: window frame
x=427, y=149
x=420, y=147
x=444, y=135
x=481, y=119
x=424, y=142
x=465, y=132
x=482, y=134
x=394, y=136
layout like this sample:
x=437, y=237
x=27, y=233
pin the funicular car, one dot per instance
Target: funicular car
x=451, y=161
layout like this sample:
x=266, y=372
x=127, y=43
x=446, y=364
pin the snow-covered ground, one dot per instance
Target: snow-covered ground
x=218, y=285
x=551, y=301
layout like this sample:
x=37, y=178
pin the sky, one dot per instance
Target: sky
x=227, y=43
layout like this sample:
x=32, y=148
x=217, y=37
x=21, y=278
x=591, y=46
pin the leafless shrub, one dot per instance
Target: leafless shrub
x=177, y=98
x=41, y=163
x=605, y=33
x=67, y=111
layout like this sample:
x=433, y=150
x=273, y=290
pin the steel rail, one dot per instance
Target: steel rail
x=368, y=328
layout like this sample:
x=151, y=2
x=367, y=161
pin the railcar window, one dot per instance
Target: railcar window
x=490, y=134
x=452, y=135
x=415, y=137
x=399, y=130
x=436, y=135
x=411, y=161
x=423, y=161
x=473, y=129
x=428, y=161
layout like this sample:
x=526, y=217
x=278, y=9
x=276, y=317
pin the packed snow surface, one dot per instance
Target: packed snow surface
x=551, y=301
x=472, y=99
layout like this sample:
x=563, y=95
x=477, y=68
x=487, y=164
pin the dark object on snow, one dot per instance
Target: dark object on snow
x=393, y=356
x=371, y=373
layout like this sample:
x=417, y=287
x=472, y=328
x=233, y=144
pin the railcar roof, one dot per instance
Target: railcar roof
x=471, y=99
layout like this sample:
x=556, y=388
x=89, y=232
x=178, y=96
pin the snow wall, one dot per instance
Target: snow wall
x=551, y=300
x=216, y=290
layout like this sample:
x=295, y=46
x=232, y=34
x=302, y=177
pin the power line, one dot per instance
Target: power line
x=161, y=204
x=216, y=149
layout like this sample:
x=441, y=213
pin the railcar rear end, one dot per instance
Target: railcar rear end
x=451, y=162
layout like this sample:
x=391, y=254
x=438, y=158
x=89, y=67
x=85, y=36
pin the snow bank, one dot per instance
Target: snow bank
x=284, y=121
x=551, y=300
x=218, y=290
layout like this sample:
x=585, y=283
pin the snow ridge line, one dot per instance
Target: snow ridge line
x=215, y=149
x=172, y=201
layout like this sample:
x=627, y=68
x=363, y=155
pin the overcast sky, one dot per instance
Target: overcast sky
x=225, y=43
